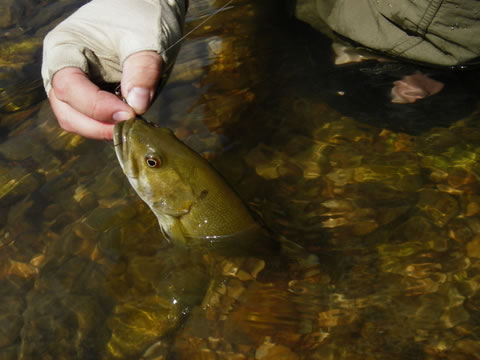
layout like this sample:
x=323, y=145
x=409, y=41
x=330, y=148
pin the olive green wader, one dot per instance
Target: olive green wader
x=437, y=32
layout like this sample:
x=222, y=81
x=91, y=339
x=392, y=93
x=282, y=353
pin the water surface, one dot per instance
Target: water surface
x=384, y=198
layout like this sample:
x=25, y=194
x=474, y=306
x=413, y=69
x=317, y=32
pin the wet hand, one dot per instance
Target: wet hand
x=83, y=108
x=133, y=43
x=414, y=87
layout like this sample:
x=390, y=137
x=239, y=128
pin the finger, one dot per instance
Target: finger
x=140, y=76
x=74, y=121
x=72, y=86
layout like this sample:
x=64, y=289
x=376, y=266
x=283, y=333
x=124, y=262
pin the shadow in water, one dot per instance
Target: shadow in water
x=366, y=91
x=362, y=90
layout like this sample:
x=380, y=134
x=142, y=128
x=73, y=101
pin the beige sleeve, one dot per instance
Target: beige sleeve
x=99, y=36
x=440, y=32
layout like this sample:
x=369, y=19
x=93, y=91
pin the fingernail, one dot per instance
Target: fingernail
x=121, y=116
x=139, y=99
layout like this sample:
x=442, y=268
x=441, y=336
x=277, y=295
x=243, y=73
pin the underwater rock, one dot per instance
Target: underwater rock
x=473, y=247
x=438, y=206
x=16, y=183
x=271, y=351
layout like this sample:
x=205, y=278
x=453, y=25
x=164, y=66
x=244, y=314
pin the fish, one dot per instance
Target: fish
x=193, y=203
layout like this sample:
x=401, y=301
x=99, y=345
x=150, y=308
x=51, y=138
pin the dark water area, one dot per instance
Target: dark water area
x=377, y=205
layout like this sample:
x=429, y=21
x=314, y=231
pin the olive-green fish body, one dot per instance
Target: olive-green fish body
x=194, y=205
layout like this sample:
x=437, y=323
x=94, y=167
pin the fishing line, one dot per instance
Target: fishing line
x=223, y=8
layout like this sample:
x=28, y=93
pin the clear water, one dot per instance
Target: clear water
x=383, y=198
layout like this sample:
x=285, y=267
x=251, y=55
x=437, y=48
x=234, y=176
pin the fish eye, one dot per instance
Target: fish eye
x=152, y=161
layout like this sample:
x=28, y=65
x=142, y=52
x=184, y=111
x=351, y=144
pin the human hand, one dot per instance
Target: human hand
x=82, y=107
x=130, y=42
x=414, y=87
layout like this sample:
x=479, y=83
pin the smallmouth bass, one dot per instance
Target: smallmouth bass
x=194, y=205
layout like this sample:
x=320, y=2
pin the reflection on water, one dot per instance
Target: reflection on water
x=391, y=219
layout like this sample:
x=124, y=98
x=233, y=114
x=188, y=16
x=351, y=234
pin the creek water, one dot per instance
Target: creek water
x=384, y=198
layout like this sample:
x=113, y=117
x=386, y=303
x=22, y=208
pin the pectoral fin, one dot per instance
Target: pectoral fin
x=173, y=230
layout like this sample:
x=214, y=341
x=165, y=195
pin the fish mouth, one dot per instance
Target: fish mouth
x=176, y=213
x=121, y=133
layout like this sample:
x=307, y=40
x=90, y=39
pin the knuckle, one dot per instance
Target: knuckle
x=60, y=85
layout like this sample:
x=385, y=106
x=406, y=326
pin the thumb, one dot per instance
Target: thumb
x=140, y=76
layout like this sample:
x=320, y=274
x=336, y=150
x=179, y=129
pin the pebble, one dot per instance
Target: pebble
x=473, y=247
